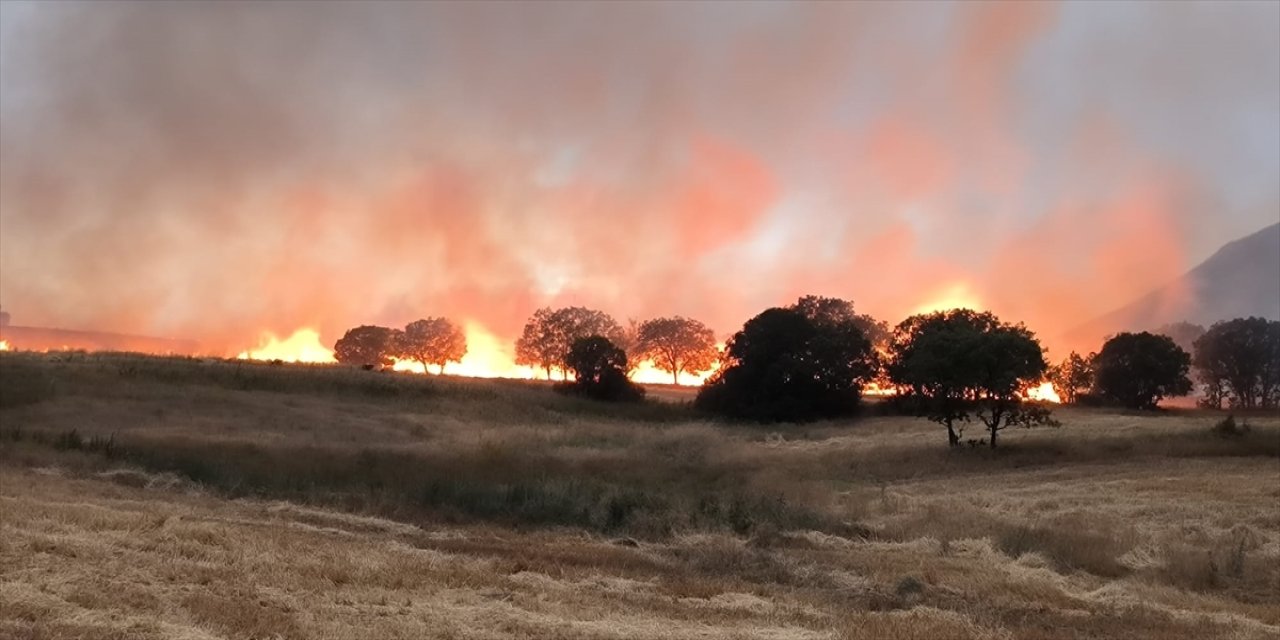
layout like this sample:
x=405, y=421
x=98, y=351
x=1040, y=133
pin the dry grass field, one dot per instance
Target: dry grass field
x=176, y=498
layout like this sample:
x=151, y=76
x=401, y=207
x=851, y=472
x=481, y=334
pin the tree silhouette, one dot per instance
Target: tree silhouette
x=953, y=366
x=784, y=366
x=549, y=334
x=1072, y=376
x=367, y=345
x=432, y=341
x=1241, y=359
x=1137, y=370
x=600, y=371
x=677, y=345
x=537, y=344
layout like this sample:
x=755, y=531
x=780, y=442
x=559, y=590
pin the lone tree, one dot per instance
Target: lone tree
x=368, y=346
x=1240, y=359
x=953, y=366
x=785, y=366
x=549, y=334
x=1137, y=370
x=433, y=341
x=677, y=345
x=600, y=371
x=1072, y=377
x=537, y=344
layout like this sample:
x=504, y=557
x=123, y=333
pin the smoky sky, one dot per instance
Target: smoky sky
x=214, y=170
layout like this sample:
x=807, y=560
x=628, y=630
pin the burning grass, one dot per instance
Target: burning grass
x=166, y=498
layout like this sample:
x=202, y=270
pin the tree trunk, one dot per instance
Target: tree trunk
x=953, y=439
x=994, y=431
x=675, y=375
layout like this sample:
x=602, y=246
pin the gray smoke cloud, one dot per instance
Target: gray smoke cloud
x=212, y=170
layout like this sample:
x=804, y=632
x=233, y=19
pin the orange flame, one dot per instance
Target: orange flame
x=4, y=345
x=1044, y=392
x=303, y=346
x=486, y=357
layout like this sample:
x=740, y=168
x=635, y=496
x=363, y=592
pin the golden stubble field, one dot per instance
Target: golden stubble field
x=153, y=498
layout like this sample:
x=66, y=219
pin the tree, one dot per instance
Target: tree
x=432, y=341
x=600, y=371
x=677, y=345
x=549, y=334
x=1137, y=370
x=367, y=345
x=537, y=345
x=629, y=341
x=1240, y=359
x=784, y=366
x=1073, y=376
x=953, y=366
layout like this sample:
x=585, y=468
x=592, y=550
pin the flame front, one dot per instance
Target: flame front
x=1044, y=392
x=303, y=346
x=487, y=357
x=4, y=345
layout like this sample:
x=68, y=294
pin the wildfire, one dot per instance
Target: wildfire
x=303, y=346
x=646, y=373
x=4, y=345
x=1044, y=392
x=487, y=357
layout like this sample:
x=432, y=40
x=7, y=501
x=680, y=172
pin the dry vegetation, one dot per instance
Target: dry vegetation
x=172, y=498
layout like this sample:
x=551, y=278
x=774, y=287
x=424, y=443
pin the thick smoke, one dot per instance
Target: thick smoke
x=214, y=170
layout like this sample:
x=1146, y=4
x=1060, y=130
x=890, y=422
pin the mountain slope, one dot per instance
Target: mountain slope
x=1239, y=280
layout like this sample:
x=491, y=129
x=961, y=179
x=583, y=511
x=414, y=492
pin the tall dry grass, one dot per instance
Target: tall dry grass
x=174, y=498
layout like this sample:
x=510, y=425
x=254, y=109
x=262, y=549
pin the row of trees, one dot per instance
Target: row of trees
x=675, y=345
x=813, y=359
x=430, y=341
x=1237, y=363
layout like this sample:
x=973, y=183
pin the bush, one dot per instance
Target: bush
x=784, y=366
x=1229, y=428
x=1137, y=370
x=599, y=370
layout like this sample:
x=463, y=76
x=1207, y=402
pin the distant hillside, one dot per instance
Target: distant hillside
x=1241, y=279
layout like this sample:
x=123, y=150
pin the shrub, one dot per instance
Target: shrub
x=785, y=366
x=600, y=372
x=1229, y=428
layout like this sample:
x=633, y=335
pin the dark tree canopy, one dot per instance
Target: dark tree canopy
x=951, y=366
x=677, y=345
x=432, y=341
x=367, y=345
x=1137, y=370
x=549, y=334
x=600, y=371
x=785, y=366
x=1072, y=377
x=1239, y=360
